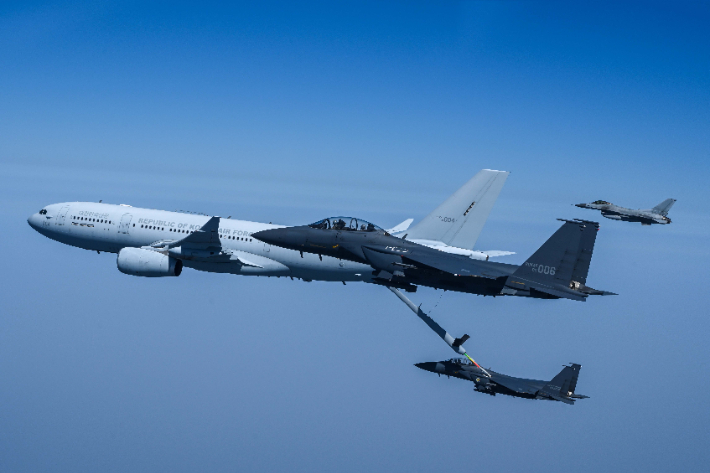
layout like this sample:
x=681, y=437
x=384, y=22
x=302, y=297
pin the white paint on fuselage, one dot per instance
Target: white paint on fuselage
x=108, y=227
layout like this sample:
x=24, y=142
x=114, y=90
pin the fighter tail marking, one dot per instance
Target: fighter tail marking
x=460, y=219
x=564, y=257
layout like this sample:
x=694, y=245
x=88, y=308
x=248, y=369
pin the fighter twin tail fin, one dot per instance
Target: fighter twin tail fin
x=560, y=266
x=562, y=386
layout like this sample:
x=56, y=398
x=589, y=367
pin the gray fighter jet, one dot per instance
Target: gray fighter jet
x=560, y=388
x=656, y=215
x=557, y=270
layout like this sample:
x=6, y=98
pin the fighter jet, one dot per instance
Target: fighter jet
x=557, y=270
x=657, y=215
x=560, y=388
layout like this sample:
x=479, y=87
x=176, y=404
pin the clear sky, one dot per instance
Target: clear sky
x=291, y=112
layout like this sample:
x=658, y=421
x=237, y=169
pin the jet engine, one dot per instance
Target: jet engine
x=148, y=263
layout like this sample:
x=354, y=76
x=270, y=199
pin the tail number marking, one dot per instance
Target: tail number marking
x=542, y=269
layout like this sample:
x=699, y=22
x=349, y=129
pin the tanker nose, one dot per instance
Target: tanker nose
x=34, y=220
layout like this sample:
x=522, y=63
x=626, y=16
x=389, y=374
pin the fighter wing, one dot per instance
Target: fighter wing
x=453, y=264
x=518, y=385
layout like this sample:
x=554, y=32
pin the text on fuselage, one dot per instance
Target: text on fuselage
x=190, y=226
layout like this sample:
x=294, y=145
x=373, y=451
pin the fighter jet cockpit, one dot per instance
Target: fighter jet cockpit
x=460, y=361
x=601, y=202
x=346, y=224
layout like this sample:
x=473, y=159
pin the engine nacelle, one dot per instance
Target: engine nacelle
x=148, y=263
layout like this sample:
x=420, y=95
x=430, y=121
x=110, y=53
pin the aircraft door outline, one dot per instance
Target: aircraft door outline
x=61, y=215
x=125, y=224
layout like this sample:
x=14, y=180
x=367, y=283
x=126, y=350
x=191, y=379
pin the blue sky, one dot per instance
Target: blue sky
x=290, y=112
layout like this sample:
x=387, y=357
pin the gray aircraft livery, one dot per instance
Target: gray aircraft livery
x=157, y=243
x=558, y=269
x=560, y=388
x=656, y=215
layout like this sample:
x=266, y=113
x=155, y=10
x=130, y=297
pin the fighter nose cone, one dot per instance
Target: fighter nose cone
x=272, y=237
x=428, y=366
x=581, y=206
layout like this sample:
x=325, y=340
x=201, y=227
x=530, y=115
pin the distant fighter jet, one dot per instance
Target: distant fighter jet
x=658, y=214
x=557, y=269
x=561, y=388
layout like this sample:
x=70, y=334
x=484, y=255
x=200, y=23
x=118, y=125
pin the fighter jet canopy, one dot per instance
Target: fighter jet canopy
x=346, y=223
x=601, y=202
